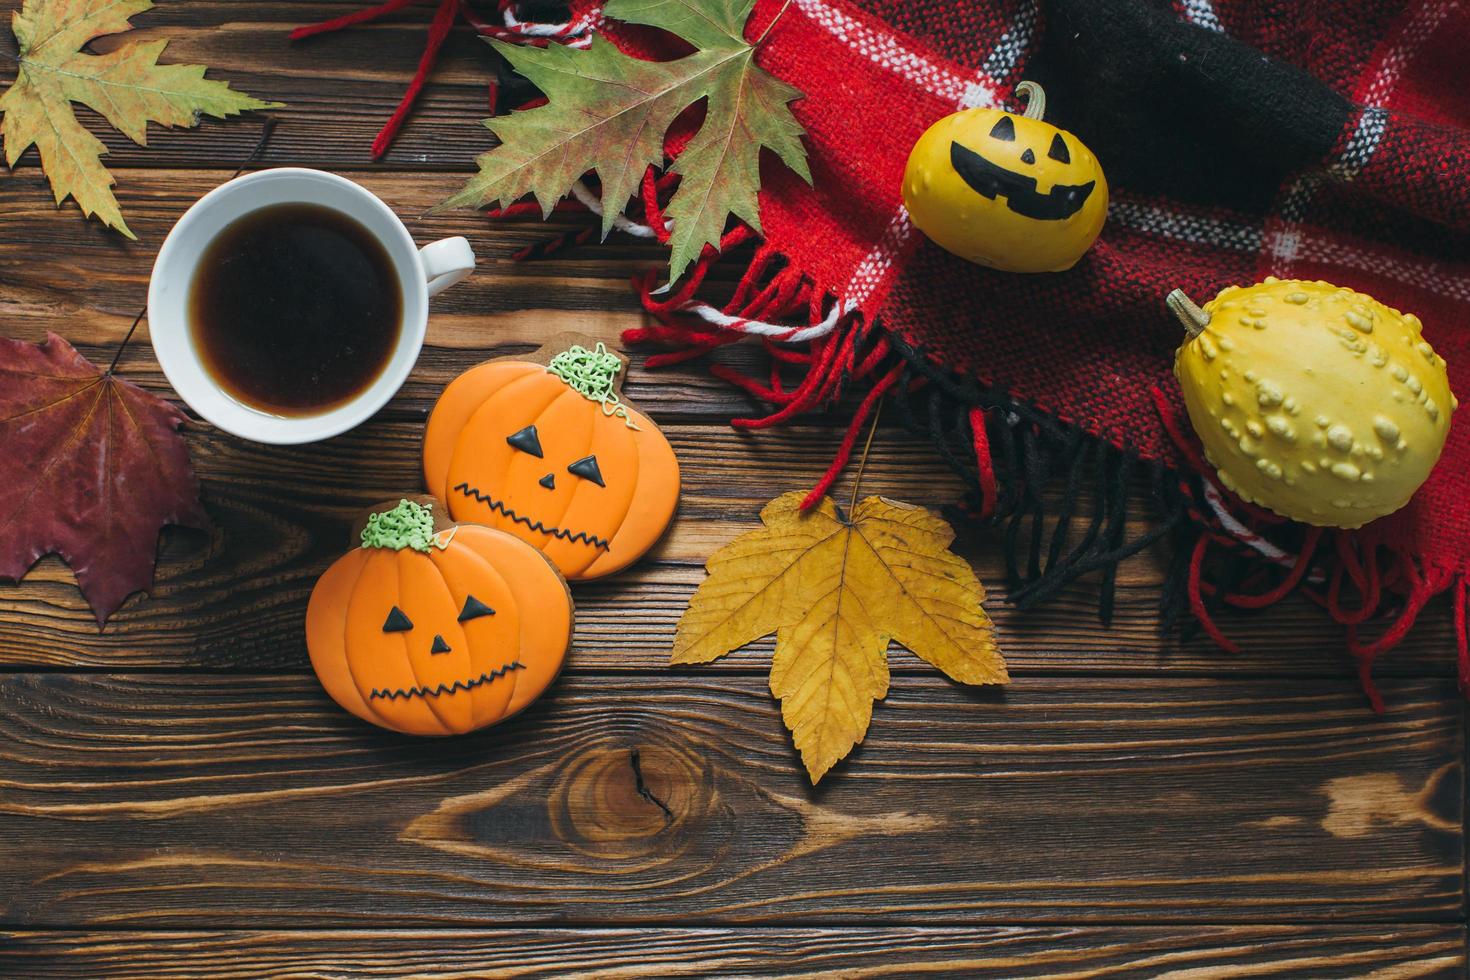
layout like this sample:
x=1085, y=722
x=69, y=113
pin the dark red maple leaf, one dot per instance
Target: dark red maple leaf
x=91, y=468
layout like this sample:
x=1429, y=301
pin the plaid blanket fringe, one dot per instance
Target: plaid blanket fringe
x=1062, y=497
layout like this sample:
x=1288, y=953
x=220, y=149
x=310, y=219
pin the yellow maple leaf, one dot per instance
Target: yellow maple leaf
x=127, y=87
x=835, y=589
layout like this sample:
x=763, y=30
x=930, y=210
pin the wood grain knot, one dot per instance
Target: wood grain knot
x=582, y=812
x=619, y=803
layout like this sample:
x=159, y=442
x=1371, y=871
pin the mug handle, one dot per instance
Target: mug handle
x=446, y=262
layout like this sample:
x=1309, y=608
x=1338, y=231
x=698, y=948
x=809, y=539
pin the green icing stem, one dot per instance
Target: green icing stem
x=591, y=373
x=409, y=525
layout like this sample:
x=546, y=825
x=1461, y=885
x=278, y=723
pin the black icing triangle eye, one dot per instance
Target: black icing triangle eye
x=586, y=468
x=1058, y=151
x=526, y=441
x=1004, y=129
x=397, y=622
x=474, y=609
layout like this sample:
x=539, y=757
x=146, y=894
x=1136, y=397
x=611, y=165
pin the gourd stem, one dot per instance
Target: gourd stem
x=1035, y=98
x=1194, y=319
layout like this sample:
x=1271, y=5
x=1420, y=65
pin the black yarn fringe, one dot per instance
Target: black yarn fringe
x=1033, y=452
x=1082, y=529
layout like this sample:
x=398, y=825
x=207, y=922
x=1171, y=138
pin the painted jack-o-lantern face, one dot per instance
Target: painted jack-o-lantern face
x=1005, y=190
x=548, y=453
x=437, y=633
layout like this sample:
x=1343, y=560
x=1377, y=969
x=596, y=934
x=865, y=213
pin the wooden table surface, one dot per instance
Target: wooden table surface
x=178, y=796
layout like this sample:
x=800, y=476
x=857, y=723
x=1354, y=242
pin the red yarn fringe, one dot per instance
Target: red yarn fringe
x=445, y=17
x=352, y=19
x=989, y=492
x=1353, y=557
x=439, y=29
x=770, y=292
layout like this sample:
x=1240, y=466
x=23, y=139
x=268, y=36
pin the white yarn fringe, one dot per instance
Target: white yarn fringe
x=580, y=30
x=759, y=328
x=589, y=200
x=1245, y=535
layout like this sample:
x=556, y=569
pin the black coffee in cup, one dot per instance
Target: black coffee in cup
x=295, y=309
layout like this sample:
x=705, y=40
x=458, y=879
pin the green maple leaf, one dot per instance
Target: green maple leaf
x=126, y=86
x=609, y=112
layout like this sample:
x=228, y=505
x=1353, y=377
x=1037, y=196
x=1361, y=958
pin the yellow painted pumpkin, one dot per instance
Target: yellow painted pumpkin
x=1314, y=401
x=550, y=453
x=437, y=631
x=1006, y=190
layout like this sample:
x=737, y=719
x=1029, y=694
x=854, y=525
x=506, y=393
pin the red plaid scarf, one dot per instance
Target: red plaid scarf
x=1342, y=154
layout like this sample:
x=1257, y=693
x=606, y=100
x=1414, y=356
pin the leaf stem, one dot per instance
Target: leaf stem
x=266, y=128
x=129, y=336
x=772, y=24
x=857, y=478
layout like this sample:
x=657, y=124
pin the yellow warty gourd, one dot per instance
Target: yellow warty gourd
x=1314, y=401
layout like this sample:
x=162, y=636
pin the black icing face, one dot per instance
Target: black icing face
x=474, y=609
x=587, y=469
x=529, y=442
x=991, y=180
x=398, y=622
x=560, y=479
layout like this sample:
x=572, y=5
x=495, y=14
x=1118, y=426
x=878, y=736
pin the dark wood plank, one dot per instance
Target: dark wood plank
x=248, y=800
x=235, y=599
x=1038, y=953
x=93, y=282
x=163, y=801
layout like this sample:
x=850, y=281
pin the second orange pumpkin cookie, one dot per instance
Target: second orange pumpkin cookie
x=550, y=453
x=437, y=630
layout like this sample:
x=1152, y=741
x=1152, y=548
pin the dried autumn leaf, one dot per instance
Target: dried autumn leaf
x=835, y=590
x=127, y=87
x=91, y=467
x=609, y=112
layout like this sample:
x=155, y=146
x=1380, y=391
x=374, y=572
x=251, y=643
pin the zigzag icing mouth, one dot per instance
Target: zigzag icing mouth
x=555, y=532
x=424, y=691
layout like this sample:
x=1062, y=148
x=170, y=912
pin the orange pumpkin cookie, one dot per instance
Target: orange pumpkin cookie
x=437, y=631
x=551, y=454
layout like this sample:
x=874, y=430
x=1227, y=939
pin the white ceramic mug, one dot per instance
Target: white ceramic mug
x=422, y=273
